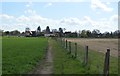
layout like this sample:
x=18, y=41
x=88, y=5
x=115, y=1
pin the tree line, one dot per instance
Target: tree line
x=97, y=34
x=80, y=34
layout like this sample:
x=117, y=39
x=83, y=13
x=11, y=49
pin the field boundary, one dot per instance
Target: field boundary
x=73, y=50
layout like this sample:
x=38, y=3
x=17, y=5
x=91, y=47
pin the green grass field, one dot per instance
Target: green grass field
x=64, y=63
x=96, y=61
x=20, y=55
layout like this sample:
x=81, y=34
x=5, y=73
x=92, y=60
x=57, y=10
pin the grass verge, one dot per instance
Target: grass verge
x=65, y=64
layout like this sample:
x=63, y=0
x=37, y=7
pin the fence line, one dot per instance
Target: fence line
x=106, y=63
x=72, y=49
x=86, y=55
x=75, y=50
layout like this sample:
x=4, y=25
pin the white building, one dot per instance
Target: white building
x=48, y=35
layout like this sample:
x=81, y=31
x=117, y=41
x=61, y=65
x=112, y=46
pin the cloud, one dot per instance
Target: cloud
x=5, y=16
x=108, y=3
x=114, y=18
x=98, y=13
x=30, y=12
x=114, y=21
x=29, y=4
x=22, y=19
x=88, y=21
x=48, y=5
x=70, y=23
x=97, y=4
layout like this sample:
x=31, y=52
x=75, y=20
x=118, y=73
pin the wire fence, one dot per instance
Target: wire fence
x=92, y=59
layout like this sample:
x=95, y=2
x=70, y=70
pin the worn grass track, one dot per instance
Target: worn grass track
x=46, y=67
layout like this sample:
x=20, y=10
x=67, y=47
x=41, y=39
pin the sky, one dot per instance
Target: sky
x=72, y=15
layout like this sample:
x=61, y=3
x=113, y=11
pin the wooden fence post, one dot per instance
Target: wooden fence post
x=75, y=50
x=106, y=63
x=66, y=44
x=69, y=47
x=86, y=55
x=63, y=42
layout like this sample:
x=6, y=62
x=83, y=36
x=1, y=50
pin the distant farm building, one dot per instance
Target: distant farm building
x=49, y=35
x=29, y=33
x=33, y=34
x=46, y=32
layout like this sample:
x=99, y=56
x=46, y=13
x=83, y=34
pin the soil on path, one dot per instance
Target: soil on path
x=47, y=65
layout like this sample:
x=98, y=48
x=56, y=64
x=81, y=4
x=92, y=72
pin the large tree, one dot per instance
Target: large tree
x=84, y=34
x=61, y=32
x=106, y=34
x=15, y=32
x=116, y=33
x=95, y=33
x=6, y=33
x=89, y=34
x=47, y=30
x=39, y=29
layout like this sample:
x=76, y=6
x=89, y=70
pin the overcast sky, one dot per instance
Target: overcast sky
x=73, y=15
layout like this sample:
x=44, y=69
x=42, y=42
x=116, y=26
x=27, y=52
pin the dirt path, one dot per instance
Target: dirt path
x=47, y=65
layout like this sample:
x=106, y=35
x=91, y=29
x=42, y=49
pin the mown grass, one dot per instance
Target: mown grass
x=64, y=63
x=20, y=55
x=96, y=61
